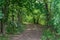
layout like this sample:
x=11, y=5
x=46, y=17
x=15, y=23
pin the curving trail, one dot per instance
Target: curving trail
x=33, y=32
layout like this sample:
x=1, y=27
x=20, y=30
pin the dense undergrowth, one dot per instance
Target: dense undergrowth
x=53, y=32
x=15, y=28
x=12, y=30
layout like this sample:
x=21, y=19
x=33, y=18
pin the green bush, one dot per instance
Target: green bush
x=14, y=28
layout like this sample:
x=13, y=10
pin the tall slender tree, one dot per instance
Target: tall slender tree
x=5, y=17
x=47, y=12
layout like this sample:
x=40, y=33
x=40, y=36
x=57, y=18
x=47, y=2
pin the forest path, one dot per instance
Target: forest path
x=33, y=32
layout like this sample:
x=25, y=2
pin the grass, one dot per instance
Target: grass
x=6, y=37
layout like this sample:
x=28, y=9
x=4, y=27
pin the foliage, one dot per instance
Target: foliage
x=4, y=37
x=15, y=13
x=15, y=28
x=56, y=16
x=54, y=31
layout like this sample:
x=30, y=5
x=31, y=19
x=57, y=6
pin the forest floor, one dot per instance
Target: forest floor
x=33, y=32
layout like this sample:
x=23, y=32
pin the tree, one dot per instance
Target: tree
x=4, y=9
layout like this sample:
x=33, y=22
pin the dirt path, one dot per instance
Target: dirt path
x=33, y=33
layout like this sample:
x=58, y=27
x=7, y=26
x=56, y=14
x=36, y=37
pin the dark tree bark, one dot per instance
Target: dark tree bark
x=1, y=26
x=37, y=21
x=34, y=19
x=47, y=12
x=5, y=17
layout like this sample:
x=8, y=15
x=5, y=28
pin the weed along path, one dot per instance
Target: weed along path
x=33, y=32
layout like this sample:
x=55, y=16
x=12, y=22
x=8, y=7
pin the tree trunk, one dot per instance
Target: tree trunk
x=5, y=17
x=47, y=12
x=1, y=26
